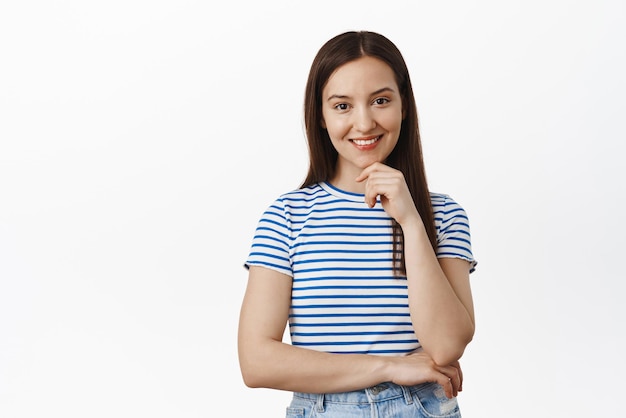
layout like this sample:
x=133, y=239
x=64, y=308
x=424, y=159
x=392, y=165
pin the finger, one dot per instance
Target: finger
x=371, y=200
x=384, y=185
x=375, y=188
x=386, y=182
x=370, y=195
x=453, y=375
x=456, y=383
x=446, y=384
x=457, y=366
x=367, y=171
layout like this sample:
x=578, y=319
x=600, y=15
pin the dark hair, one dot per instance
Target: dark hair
x=407, y=154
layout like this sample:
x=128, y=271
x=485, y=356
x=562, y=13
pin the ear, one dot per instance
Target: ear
x=323, y=123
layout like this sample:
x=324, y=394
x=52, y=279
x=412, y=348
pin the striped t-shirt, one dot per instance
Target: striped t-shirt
x=345, y=297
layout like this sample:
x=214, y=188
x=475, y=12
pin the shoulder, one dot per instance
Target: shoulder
x=299, y=196
x=448, y=213
x=453, y=229
x=303, y=194
x=295, y=200
x=445, y=206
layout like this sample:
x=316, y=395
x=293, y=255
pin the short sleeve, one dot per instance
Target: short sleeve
x=453, y=230
x=271, y=243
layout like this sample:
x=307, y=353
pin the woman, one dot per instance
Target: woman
x=369, y=268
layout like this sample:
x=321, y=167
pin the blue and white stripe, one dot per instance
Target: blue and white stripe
x=345, y=297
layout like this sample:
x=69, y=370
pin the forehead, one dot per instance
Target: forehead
x=365, y=74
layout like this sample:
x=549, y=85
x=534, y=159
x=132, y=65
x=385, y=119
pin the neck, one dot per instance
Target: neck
x=347, y=184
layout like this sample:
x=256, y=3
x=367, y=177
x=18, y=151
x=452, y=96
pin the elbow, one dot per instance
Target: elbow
x=451, y=352
x=250, y=375
x=253, y=370
x=250, y=380
x=257, y=364
x=447, y=357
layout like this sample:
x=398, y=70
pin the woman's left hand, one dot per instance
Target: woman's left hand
x=389, y=183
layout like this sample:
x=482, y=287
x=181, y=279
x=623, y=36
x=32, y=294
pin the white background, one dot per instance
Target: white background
x=141, y=140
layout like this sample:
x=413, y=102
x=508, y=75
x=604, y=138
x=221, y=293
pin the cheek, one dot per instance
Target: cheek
x=392, y=122
x=336, y=127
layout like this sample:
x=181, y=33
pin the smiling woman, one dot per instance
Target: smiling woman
x=369, y=269
x=363, y=116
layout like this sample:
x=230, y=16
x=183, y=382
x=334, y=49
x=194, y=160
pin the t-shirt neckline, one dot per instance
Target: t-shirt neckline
x=342, y=194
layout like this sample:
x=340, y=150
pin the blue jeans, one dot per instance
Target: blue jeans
x=427, y=400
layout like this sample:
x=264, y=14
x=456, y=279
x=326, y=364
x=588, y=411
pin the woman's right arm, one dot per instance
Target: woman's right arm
x=266, y=361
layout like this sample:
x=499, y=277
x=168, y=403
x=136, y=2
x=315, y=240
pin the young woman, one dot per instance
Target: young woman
x=369, y=268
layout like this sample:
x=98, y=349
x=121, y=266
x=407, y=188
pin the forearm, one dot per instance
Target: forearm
x=443, y=325
x=276, y=365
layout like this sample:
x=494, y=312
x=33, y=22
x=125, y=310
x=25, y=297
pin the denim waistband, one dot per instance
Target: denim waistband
x=381, y=392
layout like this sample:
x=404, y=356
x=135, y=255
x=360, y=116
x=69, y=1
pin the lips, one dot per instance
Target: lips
x=364, y=142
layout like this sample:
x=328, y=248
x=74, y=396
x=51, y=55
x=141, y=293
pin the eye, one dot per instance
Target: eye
x=381, y=101
x=341, y=106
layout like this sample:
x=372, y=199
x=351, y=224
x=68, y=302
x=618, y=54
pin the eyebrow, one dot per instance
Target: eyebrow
x=340, y=96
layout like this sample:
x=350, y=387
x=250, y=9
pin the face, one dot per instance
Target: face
x=362, y=112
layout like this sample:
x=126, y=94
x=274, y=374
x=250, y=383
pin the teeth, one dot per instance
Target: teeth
x=365, y=141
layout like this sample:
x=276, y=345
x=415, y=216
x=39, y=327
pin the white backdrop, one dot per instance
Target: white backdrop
x=141, y=140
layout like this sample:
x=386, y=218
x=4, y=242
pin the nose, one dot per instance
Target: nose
x=363, y=120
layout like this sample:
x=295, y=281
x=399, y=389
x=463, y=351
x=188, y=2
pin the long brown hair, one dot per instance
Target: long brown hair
x=406, y=156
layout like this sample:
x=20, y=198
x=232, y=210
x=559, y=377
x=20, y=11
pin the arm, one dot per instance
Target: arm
x=440, y=299
x=266, y=361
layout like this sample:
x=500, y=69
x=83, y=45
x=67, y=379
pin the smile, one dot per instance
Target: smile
x=364, y=142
